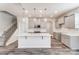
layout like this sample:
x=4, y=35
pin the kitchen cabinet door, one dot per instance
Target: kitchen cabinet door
x=34, y=42
x=70, y=22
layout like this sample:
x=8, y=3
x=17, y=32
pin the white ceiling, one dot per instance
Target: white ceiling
x=17, y=8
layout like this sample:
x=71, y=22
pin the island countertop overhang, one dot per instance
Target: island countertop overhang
x=34, y=34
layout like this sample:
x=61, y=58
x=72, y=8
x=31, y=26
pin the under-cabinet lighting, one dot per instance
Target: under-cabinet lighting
x=45, y=19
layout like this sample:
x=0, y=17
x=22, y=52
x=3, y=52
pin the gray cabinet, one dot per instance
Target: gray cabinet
x=72, y=21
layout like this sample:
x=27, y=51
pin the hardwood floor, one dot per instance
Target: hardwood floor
x=57, y=49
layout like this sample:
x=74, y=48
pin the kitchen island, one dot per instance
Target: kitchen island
x=34, y=40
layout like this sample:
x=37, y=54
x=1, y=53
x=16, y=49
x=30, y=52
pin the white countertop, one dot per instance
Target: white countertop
x=69, y=32
x=41, y=30
x=34, y=34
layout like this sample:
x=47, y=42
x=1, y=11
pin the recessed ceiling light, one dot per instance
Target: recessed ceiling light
x=56, y=11
x=34, y=19
x=26, y=11
x=45, y=19
x=40, y=11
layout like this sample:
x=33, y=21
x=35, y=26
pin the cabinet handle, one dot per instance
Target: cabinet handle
x=42, y=37
x=25, y=37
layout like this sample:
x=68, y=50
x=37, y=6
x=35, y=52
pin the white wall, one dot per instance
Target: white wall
x=53, y=24
x=22, y=24
x=5, y=20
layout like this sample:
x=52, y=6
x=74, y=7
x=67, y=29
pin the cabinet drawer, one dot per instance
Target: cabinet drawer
x=34, y=42
x=34, y=45
x=35, y=39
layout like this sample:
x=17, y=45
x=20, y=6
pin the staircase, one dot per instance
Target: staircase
x=7, y=34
